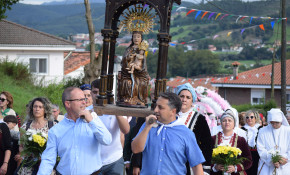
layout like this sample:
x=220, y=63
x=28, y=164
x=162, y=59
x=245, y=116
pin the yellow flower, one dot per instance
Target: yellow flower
x=38, y=139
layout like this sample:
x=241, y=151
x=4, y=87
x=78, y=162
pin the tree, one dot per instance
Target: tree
x=93, y=70
x=4, y=5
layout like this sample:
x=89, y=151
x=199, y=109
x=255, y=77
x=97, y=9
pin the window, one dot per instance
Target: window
x=38, y=65
x=288, y=97
x=257, y=96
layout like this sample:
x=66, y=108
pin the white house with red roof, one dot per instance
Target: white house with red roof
x=42, y=52
x=254, y=86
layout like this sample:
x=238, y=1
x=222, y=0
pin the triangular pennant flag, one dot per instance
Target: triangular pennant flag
x=217, y=16
x=180, y=8
x=172, y=44
x=146, y=5
x=251, y=20
x=214, y=37
x=212, y=79
x=229, y=33
x=237, y=77
x=242, y=18
x=238, y=19
x=231, y=16
x=262, y=27
x=204, y=14
x=263, y=74
x=242, y=31
x=183, y=43
x=197, y=14
x=272, y=24
x=279, y=20
x=210, y=15
x=224, y=16
x=190, y=11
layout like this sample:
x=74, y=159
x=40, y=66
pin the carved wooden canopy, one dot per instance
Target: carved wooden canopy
x=114, y=9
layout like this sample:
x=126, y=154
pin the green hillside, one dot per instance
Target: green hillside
x=16, y=80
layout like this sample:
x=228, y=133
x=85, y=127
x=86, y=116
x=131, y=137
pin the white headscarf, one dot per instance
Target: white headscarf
x=276, y=115
x=233, y=113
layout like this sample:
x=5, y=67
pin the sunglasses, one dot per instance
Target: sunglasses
x=2, y=99
x=250, y=117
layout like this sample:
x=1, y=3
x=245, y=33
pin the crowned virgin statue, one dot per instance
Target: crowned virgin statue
x=134, y=78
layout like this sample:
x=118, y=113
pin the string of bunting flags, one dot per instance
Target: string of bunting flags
x=261, y=26
x=224, y=15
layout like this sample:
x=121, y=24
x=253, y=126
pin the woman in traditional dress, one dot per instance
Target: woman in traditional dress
x=228, y=137
x=40, y=119
x=133, y=86
x=272, y=138
x=195, y=122
x=252, y=127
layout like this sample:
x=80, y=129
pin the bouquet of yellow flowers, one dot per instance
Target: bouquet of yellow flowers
x=226, y=155
x=34, y=143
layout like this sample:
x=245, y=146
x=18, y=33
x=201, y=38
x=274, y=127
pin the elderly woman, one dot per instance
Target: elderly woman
x=40, y=119
x=252, y=127
x=228, y=137
x=195, y=122
x=274, y=138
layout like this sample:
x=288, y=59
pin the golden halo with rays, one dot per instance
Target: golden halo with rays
x=138, y=18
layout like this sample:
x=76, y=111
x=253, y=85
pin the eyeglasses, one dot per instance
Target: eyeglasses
x=2, y=99
x=79, y=100
x=250, y=117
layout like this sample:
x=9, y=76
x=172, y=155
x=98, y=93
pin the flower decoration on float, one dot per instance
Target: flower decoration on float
x=138, y=18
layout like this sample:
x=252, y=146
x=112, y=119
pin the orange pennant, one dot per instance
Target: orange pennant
x=204, y=14
x=190, y=11
x=262, y=27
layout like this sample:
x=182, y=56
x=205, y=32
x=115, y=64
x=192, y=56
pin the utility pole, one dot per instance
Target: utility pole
x=283, y=58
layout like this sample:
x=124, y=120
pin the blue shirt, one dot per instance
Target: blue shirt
x=77, y=144
x=168, y=152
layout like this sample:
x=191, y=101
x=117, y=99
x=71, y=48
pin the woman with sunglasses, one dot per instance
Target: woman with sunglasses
x=252, y=127
x=40, y=119
x=6, y=104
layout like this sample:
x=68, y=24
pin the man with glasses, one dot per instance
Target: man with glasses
x=112, y=154
x=77, y=139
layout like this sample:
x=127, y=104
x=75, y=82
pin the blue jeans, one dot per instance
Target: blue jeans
x=115, y=168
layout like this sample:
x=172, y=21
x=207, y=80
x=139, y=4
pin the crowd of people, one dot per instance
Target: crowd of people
x=179, y=141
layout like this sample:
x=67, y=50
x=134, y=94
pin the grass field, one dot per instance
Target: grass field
x=23, y=92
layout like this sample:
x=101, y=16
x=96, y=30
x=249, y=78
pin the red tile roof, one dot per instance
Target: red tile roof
x=205, y=82
x=76, y=60
x=258, y=76
x=16, y=34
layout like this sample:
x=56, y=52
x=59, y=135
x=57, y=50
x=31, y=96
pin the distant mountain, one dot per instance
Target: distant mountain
x=71, y=2
x=62, y=19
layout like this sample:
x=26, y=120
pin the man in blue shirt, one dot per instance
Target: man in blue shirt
x=167, y=147
x=76, y=139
